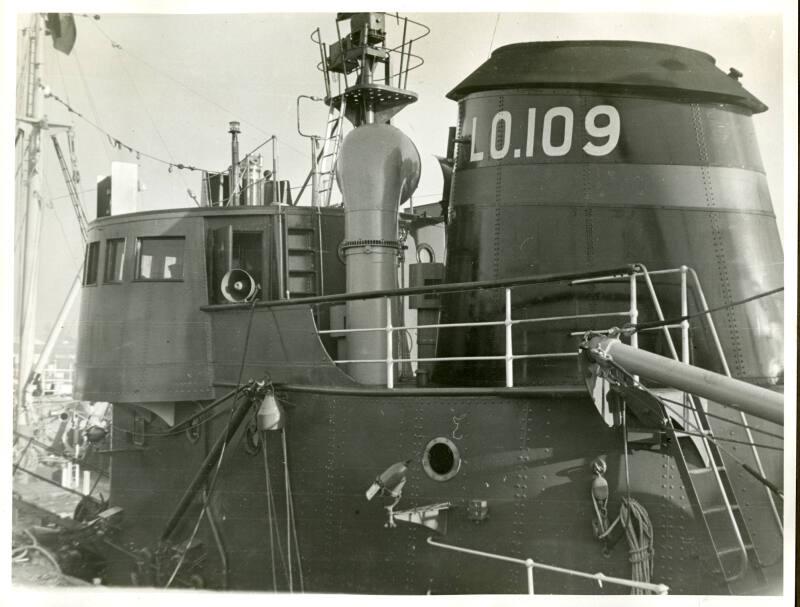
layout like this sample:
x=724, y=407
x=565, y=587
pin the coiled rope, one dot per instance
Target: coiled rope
x=639, y=533
x=634, y=519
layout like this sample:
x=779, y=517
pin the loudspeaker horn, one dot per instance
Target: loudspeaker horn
x=238, y=286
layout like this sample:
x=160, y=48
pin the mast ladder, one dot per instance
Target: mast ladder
x=709, y=486
x=711, y=492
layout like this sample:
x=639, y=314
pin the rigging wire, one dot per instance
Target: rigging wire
x=22, y=50
x=701, y=433
x=630, y=328
x=494, y=31
x=213, y=482
x=179, y=427
x=119, y=144
x=720, y=417
x=290, y=515
x=75, y=258
x=715, y=438
x=93, y=107
x=152, y=120
x=269, y=511
x=117, y=46
x=167, y=75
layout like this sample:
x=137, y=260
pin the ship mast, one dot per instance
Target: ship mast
x=32, y=123
x=34, y=102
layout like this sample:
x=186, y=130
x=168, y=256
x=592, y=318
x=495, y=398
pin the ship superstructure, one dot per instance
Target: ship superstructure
x=333, y=398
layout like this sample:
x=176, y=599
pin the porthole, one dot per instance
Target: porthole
x=441, y=460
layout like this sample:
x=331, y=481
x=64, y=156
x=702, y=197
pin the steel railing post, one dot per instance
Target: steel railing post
x=684, y=314
x=509, y=345
x=389, y=348
x=529, y=567
x=634, y=314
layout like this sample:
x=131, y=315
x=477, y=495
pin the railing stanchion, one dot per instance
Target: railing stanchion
x=634, y=313
x=509, y=346
x=389, y=347
x=529, y=566
x=684, y=314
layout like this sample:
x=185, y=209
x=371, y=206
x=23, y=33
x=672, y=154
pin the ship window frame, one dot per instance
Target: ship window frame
x=91, y=265
x=114, y=279
x=137, y=277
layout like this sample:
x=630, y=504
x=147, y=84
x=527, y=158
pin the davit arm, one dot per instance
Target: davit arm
x=722, y=389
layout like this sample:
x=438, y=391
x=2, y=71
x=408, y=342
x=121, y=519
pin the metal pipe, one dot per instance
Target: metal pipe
x=509, y=342
x=684, y=314
x=205, y=468
x=411, y=327
x=724, y=390
x=427, y=289
x=657, y=306
x=634, y=311
x=529, y=565
x=389, y=362
x=233, y=189
x=276, y=197
x=558, y=391
x=600, y=578
x=33, y=218
x=314, y=174
x=611, y=278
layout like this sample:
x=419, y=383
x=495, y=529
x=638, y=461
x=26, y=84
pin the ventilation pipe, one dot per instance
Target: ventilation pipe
x=377, y=170
x=234, y=130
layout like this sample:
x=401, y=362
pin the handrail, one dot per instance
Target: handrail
x=721, y=354
x=684, y=326
x=439, y=289
x=531, y=564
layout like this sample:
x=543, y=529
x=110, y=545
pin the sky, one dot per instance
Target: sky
x=167, y=85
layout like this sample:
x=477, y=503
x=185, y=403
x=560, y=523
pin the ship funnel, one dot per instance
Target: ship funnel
x=377, y=170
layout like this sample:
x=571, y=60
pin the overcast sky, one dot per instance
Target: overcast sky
x=170, y=85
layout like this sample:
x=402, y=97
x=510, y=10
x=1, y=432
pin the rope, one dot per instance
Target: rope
x=290, y=513
x=21, y=551
x=630, y=329
x=271, y=498
x=119, y=144
x=269, y=510
x=639, y=533
x=213, y=482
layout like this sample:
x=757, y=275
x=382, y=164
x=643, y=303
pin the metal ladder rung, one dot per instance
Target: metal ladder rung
x=706, y=470
x=682, y=434
x=714, y=509
x=725, y=551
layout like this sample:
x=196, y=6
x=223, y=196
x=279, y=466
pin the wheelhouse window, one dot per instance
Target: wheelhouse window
x=115, y=256
x=90, y=263
x=160, y=258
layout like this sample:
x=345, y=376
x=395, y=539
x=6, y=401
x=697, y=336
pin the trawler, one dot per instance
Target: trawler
x=564, y=378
